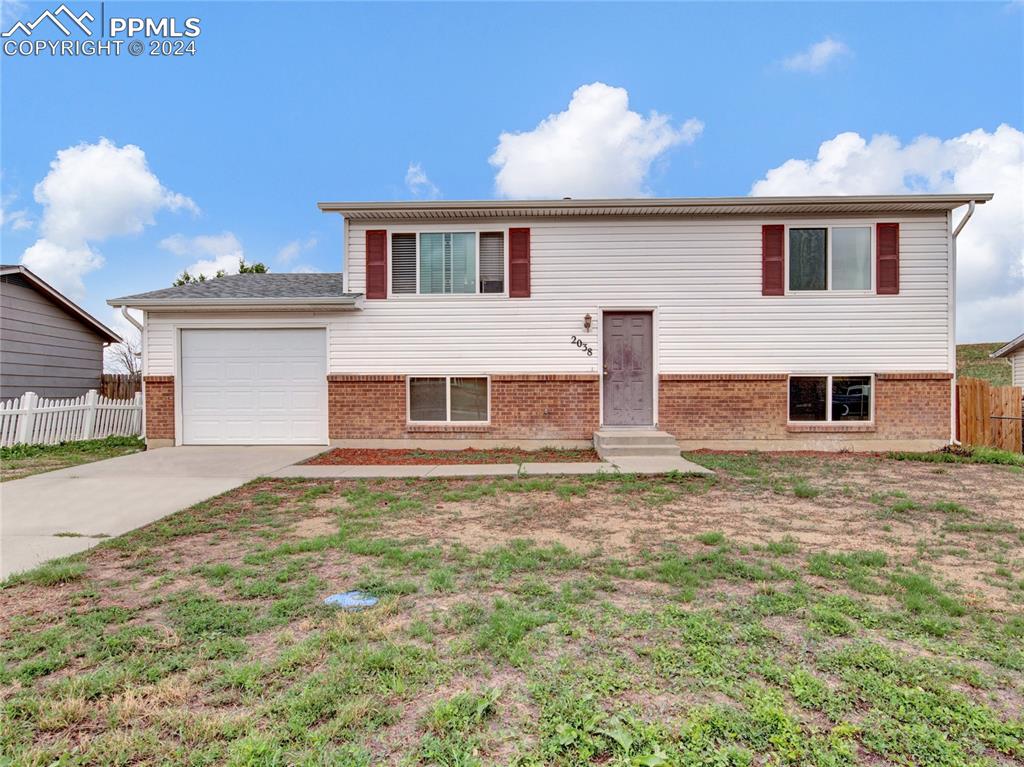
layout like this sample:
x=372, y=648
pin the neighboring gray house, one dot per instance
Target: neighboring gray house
x=48, y=344
x=1014, y=352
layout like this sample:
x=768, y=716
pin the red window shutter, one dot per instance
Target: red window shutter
x=376, y=263
x=887, y=259
x=519, y=263
x=773, y=260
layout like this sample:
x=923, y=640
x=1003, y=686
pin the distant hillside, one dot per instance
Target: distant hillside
x=973, y=360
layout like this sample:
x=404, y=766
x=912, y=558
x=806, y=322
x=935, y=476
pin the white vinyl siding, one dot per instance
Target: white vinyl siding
x=703, y=278
x=1017, y=360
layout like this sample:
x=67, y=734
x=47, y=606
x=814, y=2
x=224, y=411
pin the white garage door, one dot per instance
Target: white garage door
x=254, y=387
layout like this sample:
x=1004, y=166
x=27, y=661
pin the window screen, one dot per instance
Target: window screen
x=807, y=259
x=428, y=399
x=851, y=258
x=851, y=398
x=807, y=398
x=469, y=399
x=492, y=262
x=403, y=263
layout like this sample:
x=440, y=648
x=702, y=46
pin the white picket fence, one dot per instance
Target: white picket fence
x=33, y=420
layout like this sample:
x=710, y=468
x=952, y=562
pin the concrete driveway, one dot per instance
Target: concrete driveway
x=111, y=497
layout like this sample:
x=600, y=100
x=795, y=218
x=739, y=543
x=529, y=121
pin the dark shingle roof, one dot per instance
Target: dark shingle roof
x=249, y=286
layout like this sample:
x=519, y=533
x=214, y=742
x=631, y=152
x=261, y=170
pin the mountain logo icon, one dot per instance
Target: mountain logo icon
x=63, y=12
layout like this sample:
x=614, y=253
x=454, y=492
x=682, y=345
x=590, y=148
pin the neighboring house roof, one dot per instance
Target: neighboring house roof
x=1010, y=348
x=278, y=290
x=61, y=300
x=652, y=206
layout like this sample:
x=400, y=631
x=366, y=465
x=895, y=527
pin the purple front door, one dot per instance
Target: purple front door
x=628, y=369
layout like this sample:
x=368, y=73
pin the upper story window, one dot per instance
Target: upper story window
x=830, y=258
x=439, y=263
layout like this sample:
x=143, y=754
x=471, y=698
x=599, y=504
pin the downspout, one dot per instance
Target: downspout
x=954, y=421
x=138, y=325
x=142, y=336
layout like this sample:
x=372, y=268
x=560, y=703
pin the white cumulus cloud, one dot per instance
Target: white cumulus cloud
x=990, y=250
x=215, y=252
x=419, y=184
x=292, y=250
x=817, y=57
x=62, y=266
x=14, y=218
x=91, y=193
x=597, y=147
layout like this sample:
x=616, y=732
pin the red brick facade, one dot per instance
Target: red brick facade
x=159, y=399
x=753, y=406
x=561, y=407
x=713, y=407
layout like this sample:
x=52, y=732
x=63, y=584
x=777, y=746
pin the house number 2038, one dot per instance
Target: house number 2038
x=579, y=343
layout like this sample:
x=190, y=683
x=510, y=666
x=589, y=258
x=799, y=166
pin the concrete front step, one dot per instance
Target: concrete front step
x=634, y=442
x=618, y=451
x=633, y=437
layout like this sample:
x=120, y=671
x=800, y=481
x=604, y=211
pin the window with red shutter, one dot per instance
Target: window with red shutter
x=773, y=260
x=887, y=259
x=519, y=263
x=376, y=263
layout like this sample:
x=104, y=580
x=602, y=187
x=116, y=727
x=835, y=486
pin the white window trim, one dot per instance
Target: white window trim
x=417, y=231
x=828, y=227
x=828, y=401
x=447, y=398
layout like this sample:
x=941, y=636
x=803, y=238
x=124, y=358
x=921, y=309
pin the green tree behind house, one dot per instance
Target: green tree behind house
x=243, y=268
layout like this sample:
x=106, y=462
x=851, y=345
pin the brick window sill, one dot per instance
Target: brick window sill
x=830, y=428
x=447, y=428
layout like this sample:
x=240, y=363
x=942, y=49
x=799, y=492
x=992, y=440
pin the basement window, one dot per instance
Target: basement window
x=830, y=399
x=448, y=399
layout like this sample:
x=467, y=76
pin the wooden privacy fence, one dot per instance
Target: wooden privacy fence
x=988, y=415
x=120, y=385
x=32, y=420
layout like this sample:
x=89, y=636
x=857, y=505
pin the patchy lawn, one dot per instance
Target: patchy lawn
x=790, y=610
x=420, y=457
x=24, y=460
x=972, y=361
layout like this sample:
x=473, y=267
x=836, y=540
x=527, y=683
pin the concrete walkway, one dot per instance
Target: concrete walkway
x=652, y=465
x=111, y=497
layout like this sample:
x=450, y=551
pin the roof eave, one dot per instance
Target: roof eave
x=66, y=303
x=651, y=206
x=1010, y=348
x=333, y=303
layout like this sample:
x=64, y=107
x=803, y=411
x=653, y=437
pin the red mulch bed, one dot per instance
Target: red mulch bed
x=418, y=457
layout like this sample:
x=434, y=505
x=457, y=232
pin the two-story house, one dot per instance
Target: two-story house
x=764, y=323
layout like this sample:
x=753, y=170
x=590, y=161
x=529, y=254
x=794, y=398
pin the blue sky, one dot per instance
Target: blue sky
x=285, y=104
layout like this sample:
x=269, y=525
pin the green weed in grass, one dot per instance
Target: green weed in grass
x=50, y=574
x=504, y=629
x=711, y=538
x=949, y=507
x=964, y=455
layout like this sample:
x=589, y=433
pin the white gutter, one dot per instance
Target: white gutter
x=953, y=415
x=132, y=320
x=333, y=303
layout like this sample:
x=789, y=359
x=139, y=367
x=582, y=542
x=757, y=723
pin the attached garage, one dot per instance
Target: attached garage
x=254, y=386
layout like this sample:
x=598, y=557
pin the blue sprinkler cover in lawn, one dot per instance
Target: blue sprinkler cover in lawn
x=351, y=600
